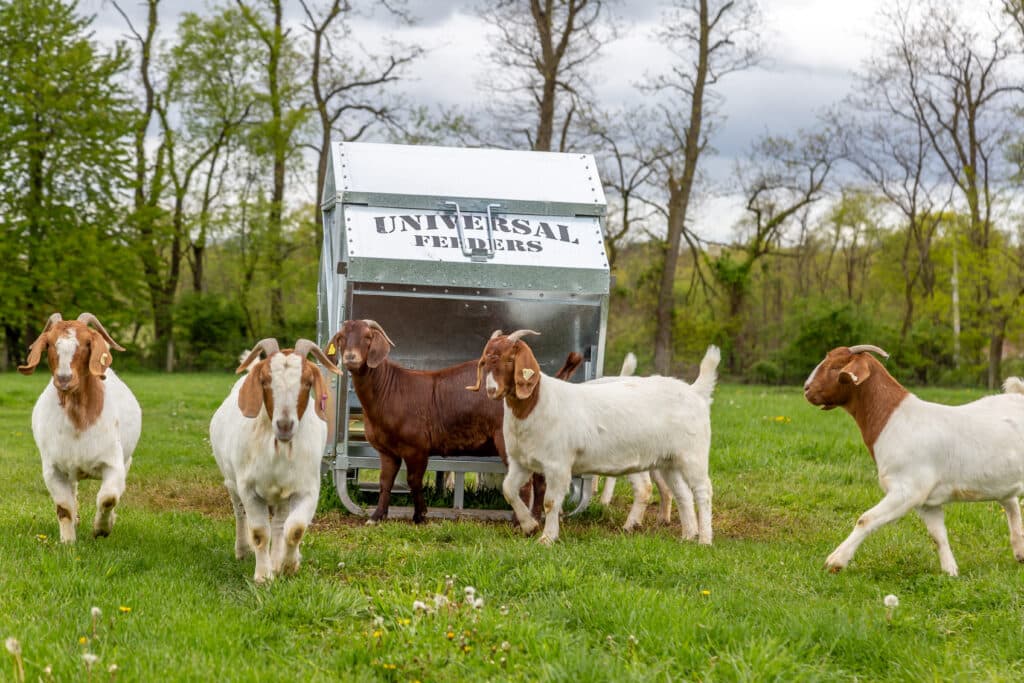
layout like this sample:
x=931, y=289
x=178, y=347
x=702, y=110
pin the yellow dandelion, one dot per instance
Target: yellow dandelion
x=83, y=640
x=467, y=633
x=467, y=648
x=378, y=633
x=405, y=621
x=705, y=592
x=450, y=635
x=124, y=609
x=41, y=537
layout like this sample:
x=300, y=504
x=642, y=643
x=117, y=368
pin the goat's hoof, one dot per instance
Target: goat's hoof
x=545, y=540
x=530, y=528
x=419, y=520
x=371, y=522
x=834, y=568
x=289, y=568
x=242, y=553
x=100, y=533
x=261, y=580
x=1019, y=557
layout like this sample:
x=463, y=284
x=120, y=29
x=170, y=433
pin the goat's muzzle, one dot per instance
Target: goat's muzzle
x=284, y=430
x=63, y=382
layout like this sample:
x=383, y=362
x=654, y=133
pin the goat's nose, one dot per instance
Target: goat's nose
x=63, y=380
x=285, y=426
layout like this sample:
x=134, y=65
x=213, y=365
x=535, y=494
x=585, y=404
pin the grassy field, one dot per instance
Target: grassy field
x=789, y=483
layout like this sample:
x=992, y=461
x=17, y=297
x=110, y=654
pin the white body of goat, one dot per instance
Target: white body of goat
x=274, y=483
x=103, y=450
x=616, y=427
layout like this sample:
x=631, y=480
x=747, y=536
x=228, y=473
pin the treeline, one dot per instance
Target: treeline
x=169, y=182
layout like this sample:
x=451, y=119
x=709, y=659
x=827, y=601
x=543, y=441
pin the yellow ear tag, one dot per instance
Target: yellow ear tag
x=528, y=373
x=330, y=349
x=105, y=358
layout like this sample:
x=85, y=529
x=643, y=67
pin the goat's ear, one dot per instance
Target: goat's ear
x=526, y=371
x=334, y=347
x=856, y=371
x=250, y=396
x=99, y=358
x=320, y=394
x=379, y=348
x=35, y=354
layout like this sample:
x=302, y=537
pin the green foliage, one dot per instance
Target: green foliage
x=63, y=117
x=765, y=372
x=822, y=326
x=211, y=332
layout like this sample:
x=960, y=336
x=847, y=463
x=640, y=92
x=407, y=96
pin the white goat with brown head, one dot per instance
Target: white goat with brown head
x=86, y=422
x=268, y=445
x=927, y=454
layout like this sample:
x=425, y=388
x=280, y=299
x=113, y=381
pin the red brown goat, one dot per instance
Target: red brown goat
x=409, y=415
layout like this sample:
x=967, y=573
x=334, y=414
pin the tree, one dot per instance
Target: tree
x=282, y=116
x=63, y=114
x=709, y=40
x=779, y=179
x=542, y=54
x=350, y=95
x=957, y=83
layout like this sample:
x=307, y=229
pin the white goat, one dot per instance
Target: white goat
x=269, y=447
x=927, y=454
x=617, y=427
x=639, y=481
x=86, y=422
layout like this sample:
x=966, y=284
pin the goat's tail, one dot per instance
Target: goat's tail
x=628, y=365
x=1013, y=385
x=705, y=382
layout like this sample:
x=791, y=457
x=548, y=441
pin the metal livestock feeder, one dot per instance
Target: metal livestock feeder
x=442, y=246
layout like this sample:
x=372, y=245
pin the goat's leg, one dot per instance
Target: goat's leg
x=539, y=488
x=558, y=483
x=299, y=518
x=892, y=507
x=664, y=497
x=258, y=517
x=684, y=500
x=641, y=483
x=63, y=492
x=1012, y=507
x=934, y=519
x=514, y=480
x=389, y=466
x=416, y=466
x=109, y=494
x=242, y=547
x=608, y=491
x=278, y=513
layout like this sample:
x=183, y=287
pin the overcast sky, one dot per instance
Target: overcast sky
x=812, y=46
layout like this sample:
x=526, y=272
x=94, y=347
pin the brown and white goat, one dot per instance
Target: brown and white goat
x=269, y=445
x=409, y=415
x=86, y=422
x=927, y=454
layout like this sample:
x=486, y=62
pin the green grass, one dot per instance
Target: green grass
x=600, y=605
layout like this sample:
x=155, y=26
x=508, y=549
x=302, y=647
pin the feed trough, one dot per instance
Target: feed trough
x=442, y=246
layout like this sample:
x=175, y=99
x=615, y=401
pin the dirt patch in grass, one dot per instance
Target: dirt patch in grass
x=183, y=496
x=752, y=524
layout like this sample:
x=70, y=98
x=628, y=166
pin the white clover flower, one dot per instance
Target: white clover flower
x=96, y=613
x=89, y=659
x=478, y=603
x=470, y=592
x=440, y=601
x=891, y=601
x=378, y=620
x=419, y=606
x=503, y=610
x=341, y=565
x=112, y=669
x=506, y=646
x=13, y=646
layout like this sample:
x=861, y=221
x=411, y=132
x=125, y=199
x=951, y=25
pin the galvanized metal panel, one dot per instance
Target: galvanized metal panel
x=371, y=173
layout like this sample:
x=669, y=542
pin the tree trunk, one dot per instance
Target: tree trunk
x=995, y=354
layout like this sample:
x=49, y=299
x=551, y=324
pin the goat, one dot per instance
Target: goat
x=268, y=447
x=927, y=454
x=616, y=427
x=410, y=414
x=639, y=481
x=86, y=423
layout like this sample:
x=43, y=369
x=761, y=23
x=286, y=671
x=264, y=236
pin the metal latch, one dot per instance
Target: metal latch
x=476, y=254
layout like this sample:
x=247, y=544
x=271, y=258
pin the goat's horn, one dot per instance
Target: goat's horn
x=495, y=334
x=51, y=321
x=373, y=324
x=90, y=319
x=268, y=346
x=519, y=334
x=860, y=348
x=304, y=347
